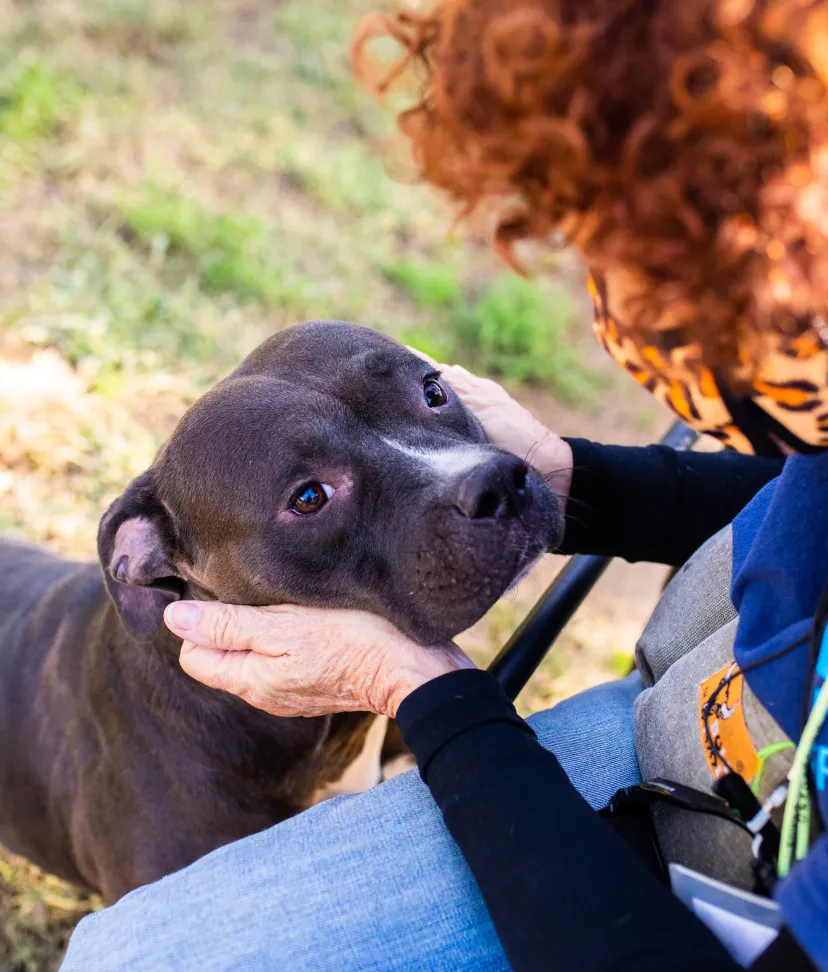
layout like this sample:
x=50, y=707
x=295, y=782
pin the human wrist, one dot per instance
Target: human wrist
x=424, y=666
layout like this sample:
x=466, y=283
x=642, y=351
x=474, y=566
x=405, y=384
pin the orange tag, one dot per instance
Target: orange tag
x=728, y=728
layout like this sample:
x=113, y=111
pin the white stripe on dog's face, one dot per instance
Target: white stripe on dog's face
x=445, y=462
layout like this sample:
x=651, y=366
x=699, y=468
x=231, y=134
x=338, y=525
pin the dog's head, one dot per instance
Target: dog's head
x=333, y=468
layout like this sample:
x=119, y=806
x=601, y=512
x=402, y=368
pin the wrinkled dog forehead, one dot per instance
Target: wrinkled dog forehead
x=254, y=427
x=326, y=351
x=414, y=492
x=374, y=376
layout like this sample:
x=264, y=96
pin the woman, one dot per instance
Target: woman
x=679, y=148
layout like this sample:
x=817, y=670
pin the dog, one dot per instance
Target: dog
x=332, y=468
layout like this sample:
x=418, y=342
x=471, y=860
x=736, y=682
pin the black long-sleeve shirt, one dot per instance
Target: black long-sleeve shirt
x=563, y=889
x=654, y=503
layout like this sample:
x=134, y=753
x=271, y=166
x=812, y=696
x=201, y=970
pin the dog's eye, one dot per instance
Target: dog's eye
x=311, y=498
x=434, y=393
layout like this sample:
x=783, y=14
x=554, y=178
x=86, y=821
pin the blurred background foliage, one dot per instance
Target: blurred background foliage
x=180, y=178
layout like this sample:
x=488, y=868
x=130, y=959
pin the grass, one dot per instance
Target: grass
x=177, y=181
x=33, y=103
x=138, y=27
x=227, y=254
x=431, y=285
x=42, y=915
x=515, y=329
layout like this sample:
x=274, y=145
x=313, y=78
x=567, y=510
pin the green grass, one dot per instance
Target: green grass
x=144, y=27
x=431, y=285
x=621, y=664
x=44, y=915
x=514, y=329
x=215, y=175
x=230, y=254
x=33, y=101
x=37, y=104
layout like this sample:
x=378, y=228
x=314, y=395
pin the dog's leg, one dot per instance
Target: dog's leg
x=365, y=771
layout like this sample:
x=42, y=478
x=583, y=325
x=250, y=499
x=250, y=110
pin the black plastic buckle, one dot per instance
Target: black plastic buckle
x=666, y=791
x=629, y=816
x=635, y=801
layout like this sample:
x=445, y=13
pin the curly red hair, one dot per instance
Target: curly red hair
x=677, y=143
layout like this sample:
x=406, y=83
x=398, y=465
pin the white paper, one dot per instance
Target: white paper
x=744, y=923
x=743, y=938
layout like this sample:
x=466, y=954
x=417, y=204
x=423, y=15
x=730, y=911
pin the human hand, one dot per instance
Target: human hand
x=511, y=427
x=300, y=661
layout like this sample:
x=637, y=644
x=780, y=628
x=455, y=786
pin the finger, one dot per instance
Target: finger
x=459, y=372
x=462, y=380
x=219, y=669
x=246, y=674
x=211, y=624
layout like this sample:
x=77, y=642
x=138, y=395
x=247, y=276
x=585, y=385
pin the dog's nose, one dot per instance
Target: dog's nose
x=496, y=488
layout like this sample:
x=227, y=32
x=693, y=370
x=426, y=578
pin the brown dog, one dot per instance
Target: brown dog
x=333, y=469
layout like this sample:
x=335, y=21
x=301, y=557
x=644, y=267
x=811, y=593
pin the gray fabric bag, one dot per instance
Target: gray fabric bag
x=687, y=641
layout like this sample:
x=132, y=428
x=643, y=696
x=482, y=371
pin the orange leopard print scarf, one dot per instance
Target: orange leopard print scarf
x=785, y=409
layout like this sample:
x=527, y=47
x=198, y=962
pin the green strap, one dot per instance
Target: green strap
x=763, y=756
x=798, y=798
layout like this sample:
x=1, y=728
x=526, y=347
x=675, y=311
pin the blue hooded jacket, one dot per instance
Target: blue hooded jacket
x=780, y=565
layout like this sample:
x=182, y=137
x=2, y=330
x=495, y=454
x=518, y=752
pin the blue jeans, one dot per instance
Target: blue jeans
x=370, y=881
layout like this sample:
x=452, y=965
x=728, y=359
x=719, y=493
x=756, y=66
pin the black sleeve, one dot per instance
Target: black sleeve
x=784, y=954
x=654, y=503
x=563, y=889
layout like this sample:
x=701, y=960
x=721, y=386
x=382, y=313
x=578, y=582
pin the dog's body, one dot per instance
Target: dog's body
x=317, y=474
x=122, y=768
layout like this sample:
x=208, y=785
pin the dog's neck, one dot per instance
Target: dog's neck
x=289, y=756
x=151, y=673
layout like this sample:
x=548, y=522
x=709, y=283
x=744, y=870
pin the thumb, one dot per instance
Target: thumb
x=211, y=624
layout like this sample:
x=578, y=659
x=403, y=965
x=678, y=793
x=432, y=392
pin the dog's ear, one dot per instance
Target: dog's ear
x=136, y=549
